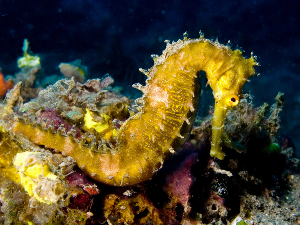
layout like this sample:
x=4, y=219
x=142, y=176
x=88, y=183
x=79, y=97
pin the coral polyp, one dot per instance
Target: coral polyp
x=168, y=108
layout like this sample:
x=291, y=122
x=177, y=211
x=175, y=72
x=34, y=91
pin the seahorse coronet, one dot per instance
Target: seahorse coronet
x=168, y=108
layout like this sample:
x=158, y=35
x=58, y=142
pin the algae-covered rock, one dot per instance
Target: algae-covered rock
x=37, y=179
x=135, y=209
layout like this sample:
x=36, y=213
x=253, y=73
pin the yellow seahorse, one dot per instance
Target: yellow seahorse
x=168, y=109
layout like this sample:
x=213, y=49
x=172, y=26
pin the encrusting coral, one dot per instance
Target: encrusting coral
x=133, y=152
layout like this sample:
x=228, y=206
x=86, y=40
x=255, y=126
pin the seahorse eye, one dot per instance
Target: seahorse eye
x=232, y=100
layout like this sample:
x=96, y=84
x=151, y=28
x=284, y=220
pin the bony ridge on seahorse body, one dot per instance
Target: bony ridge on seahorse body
x=168, y=109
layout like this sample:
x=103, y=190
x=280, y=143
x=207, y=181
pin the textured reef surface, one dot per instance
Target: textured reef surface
x=77, y=151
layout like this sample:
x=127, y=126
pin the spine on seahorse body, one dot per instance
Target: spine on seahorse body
x=169, y=105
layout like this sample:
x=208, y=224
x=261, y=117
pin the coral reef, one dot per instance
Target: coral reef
x=65, y=153
x=139, y=147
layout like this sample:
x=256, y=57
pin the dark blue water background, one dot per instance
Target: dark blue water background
x=118, y=37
